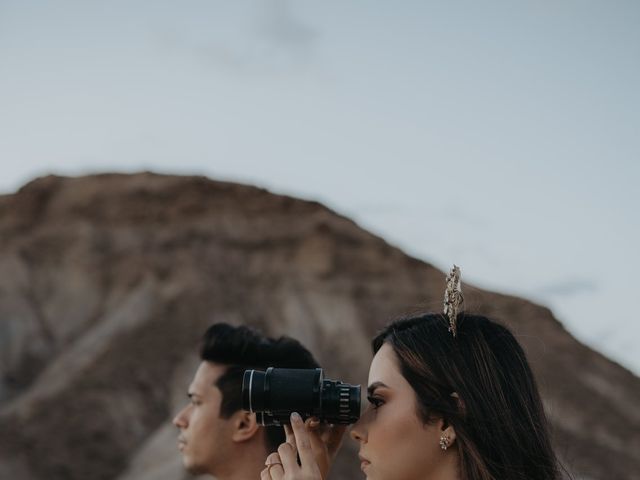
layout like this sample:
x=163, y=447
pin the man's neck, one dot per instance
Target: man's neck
x=247, y=465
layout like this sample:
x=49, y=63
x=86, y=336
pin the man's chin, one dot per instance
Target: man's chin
x=193, y=468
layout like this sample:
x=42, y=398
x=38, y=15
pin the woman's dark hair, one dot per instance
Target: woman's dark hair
x=242, y=348
x=501, y=429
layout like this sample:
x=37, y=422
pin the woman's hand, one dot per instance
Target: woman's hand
x=316, y=444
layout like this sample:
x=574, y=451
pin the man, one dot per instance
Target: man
x=216, y=436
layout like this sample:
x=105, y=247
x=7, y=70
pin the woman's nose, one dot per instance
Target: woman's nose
x=358, y=432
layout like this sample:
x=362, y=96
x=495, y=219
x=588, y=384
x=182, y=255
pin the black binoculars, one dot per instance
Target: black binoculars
x=273, y=395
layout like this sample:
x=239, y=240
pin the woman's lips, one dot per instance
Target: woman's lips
x=364, y=463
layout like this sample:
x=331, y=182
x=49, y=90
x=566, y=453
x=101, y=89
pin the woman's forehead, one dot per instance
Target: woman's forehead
x=384, y=366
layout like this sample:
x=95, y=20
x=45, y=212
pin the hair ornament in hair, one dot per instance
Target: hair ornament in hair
x=453, y=298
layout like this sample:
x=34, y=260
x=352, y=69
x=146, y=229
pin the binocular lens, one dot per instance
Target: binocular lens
x=274, y=394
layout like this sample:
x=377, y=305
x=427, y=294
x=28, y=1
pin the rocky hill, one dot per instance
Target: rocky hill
x=108, y=281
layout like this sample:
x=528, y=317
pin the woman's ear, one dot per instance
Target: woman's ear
x=459, y=402
x=245, y=426
x=446, y=430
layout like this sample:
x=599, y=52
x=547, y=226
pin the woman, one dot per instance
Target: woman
x=449, y=400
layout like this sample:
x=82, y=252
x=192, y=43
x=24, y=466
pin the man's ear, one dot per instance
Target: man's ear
x=245, y=426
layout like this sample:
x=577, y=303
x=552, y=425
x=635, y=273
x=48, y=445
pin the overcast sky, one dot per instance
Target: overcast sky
x=503, y=136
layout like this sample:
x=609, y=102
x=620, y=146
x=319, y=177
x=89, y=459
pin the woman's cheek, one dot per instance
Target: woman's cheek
x=378, y=430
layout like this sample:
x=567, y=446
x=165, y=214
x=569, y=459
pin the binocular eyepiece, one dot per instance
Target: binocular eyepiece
x=273, y=395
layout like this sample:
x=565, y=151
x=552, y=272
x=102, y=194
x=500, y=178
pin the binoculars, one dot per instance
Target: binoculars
x=273, y=395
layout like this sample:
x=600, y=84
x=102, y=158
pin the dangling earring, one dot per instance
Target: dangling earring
x=444, y=442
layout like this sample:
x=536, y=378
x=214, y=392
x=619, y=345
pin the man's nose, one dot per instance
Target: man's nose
x=180, y=420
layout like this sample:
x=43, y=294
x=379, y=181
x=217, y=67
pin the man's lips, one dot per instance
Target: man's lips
x=363, y=461
x=181, y=443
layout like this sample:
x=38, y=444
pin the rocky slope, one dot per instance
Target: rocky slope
x=107, y=282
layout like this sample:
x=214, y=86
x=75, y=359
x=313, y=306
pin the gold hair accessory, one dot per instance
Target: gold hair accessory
x=453, y=298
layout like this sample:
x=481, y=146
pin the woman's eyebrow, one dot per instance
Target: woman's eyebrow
x=372, y=388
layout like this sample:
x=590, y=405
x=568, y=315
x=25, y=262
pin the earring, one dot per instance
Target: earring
x=444, y=442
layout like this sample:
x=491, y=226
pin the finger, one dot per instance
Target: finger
x=288, y=431
x=319, y=449
x=264, y=474
x=272, y=458
x=276, y=471
x=303, y=442
x=312, y=422
x=325, y=432
x=288, y=458
x=315, y=430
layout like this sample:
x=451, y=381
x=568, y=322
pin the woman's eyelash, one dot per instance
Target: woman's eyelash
x=376, y=402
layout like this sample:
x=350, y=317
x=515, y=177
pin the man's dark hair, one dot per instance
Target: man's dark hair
x=241, y=348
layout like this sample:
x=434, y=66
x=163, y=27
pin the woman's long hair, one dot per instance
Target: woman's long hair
x=501, y=429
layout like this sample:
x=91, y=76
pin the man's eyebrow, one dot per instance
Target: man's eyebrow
x=372, y=388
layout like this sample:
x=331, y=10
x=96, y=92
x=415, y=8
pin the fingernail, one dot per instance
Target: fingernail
x=295, y=417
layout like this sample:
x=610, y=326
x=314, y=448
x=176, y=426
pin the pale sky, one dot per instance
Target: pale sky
x=503, y=136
